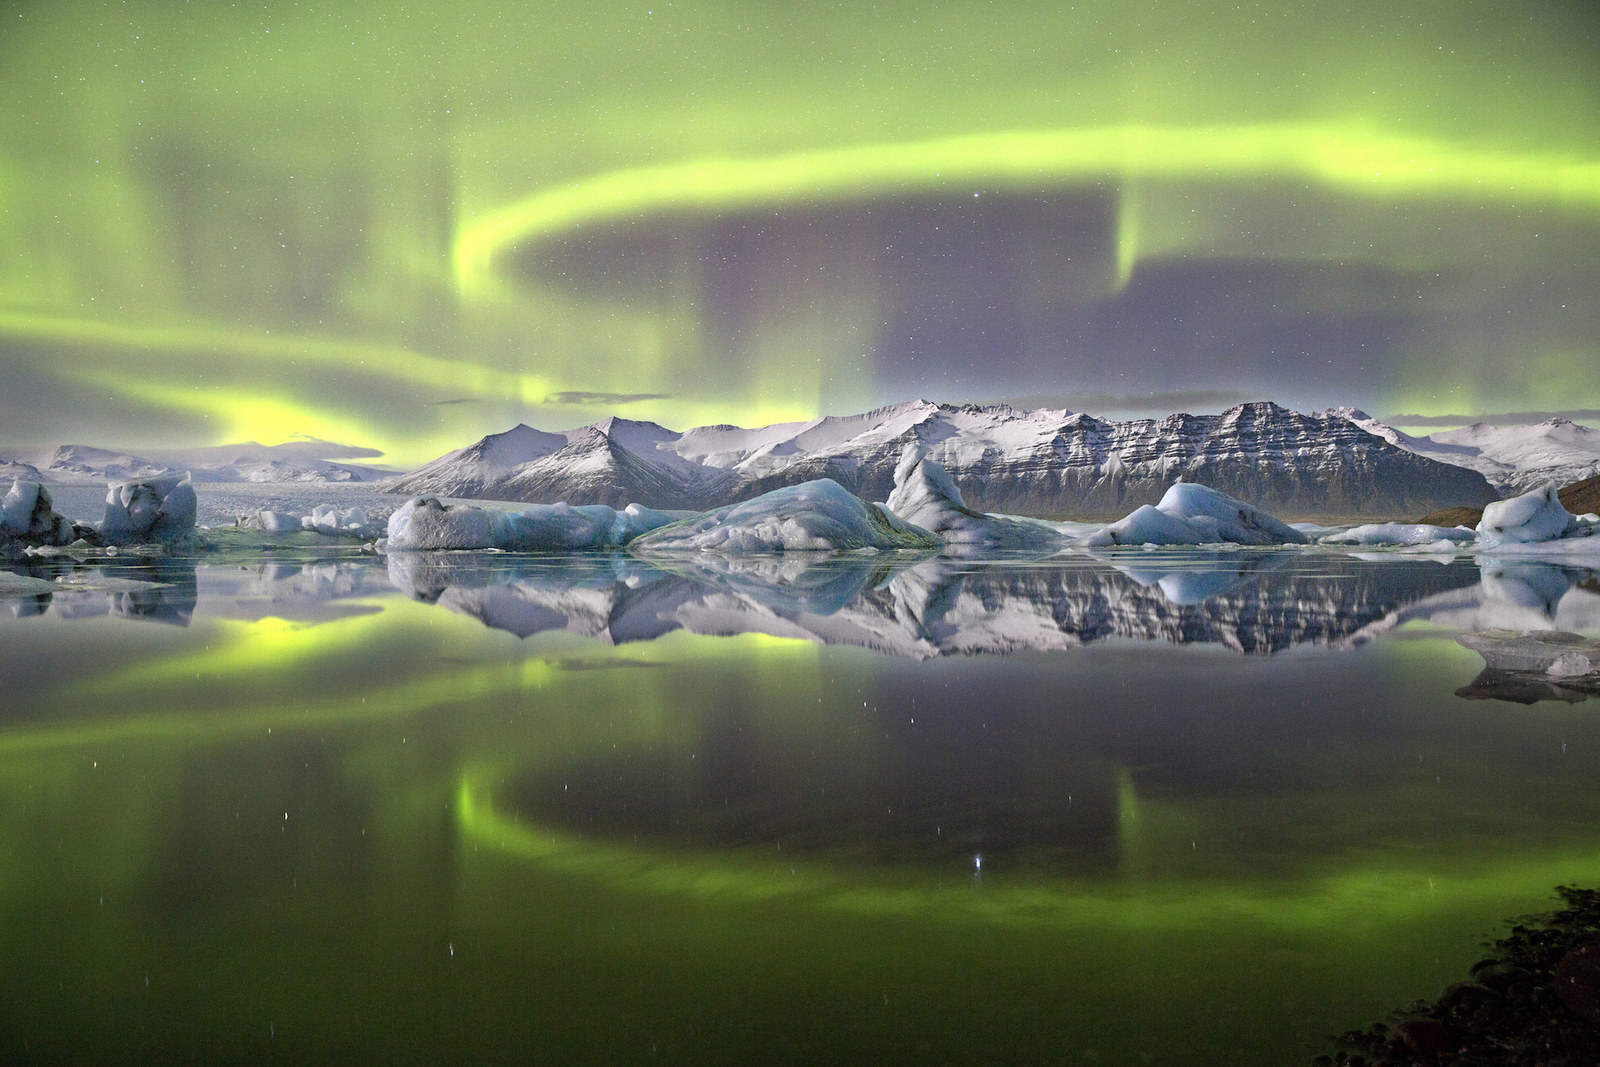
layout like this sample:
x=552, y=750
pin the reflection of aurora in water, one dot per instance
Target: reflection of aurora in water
x=377, y=790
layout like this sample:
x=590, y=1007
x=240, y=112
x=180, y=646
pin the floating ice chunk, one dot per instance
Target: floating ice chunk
x=926, y=496
x=157, y=509
x=1582, y=548
x=816, y=516
x=327, y=519
x=1535, y=516
x=1146, y=525
x=324, y=519
x=425, y=523
x=277, y=521
x=1560, y=655
x=1191, y=514
x=27, y=513
x=1399, y=533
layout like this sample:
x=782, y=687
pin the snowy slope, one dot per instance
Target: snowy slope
x=1514, y=459
x=249, y=462
x=475, y=470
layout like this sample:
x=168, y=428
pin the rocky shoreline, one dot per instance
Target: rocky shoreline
x=1535, y=1001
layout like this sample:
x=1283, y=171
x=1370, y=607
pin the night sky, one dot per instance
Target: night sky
x=405, y=226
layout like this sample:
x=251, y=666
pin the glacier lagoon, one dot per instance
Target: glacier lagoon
x=1170, y=806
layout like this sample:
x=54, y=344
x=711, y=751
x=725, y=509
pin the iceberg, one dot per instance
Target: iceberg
x=423, y=522
x=815, y=516
x=27, y=513
x=1400, y=533
x=324, y=519
x=327, y=519
x=156, y=509
x=276, y=521
x=926, y=496
x=1192, y=514
x=1534, y=516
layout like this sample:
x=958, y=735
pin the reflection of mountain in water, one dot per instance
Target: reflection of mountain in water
x=1255, y=602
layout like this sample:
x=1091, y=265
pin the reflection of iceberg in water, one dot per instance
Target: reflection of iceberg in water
x=1519, y=596
x=159, y=590
x=167, y=589
x=1255, y=602
x=1528, y=621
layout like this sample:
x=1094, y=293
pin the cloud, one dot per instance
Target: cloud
x=579, y=398
x=309, y=447
x=457, y=400
x=1506, y=418
x=1163, y=402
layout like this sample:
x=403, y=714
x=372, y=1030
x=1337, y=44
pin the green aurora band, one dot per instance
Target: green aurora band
x=316, y=220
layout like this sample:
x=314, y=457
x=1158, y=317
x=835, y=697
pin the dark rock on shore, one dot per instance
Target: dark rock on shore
x=1535, y=1002
x=1461, y=516
x=1580, y=498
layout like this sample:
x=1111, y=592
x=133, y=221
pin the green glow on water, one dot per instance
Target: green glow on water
x=1379, y=895
x=382, y=794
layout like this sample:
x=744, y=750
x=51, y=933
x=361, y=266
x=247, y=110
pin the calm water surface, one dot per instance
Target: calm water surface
x=1156, y=808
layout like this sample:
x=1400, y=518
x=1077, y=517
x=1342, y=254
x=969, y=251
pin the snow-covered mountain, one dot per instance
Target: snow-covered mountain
x=613, y=462
x=1514, y=459
x=85, y=463
x=249, y=462
x=478, y=471
x=1047, y=463
x=11, y=470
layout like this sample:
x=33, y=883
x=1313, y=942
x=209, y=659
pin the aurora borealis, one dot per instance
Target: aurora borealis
x=404, y=226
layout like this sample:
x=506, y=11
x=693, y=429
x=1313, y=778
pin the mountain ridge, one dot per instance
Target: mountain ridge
x=1049, y=463
x=249, y=461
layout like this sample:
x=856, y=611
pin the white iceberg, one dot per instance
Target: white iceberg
x=423, y=522
x=926, y=496
x=327, y=519
x=27, y=513
x=1531, y=517
x=156, y=509
x=1400, y=533
x=1192, y=514
x=815, y=516
x=276, y=521
x=324, y=519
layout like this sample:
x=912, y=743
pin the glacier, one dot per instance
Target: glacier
x=1400, y=533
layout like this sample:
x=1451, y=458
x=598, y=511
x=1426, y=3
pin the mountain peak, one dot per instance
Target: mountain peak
x=1255, y=409
x=1349, y=413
